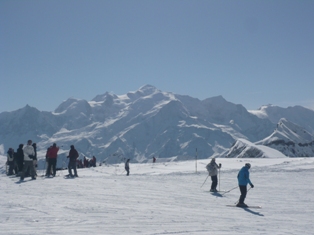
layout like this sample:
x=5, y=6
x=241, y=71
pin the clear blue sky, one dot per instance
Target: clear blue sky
x=250, y=52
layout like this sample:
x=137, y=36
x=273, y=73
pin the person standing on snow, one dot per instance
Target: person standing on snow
x=20, y=159
x=93, y=162
x=52, y=159
x=243, y=180
x=212, y=169
x=127, y=166
x=10, y=161
x=29, y=155
x=35, y=158
x=47, y=161
x=73, y=155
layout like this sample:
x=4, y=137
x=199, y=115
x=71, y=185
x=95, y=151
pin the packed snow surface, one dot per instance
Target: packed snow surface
x=162, y=198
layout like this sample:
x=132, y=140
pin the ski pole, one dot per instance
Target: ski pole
x=205, y=180
x=219, y=178
x=229, y=190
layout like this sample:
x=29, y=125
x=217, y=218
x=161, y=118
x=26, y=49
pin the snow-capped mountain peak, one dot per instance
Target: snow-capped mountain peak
x=149, y=122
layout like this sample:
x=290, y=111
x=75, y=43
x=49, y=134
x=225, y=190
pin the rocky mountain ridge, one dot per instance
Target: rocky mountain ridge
x=146, y=123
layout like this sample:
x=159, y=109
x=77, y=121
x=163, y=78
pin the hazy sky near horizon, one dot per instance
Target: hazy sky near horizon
x=251, y=52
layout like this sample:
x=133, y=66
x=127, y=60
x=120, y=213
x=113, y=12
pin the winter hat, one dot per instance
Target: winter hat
x=248, y=165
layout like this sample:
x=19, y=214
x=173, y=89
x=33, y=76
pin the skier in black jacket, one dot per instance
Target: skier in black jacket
x=20, y=159
x=127, y=166
x=73, y=155
x=10, y=161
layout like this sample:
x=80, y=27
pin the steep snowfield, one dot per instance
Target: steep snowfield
x=299, y=115
x=287, y=131
x=290, y=139
x=245, y=149
x=162, y=198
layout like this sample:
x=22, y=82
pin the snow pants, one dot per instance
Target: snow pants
x=72, y=165
x=28, y=166
x=214, y=182
x=20, y=163
x=243, y=191
x=11, y=167
x=52, y=162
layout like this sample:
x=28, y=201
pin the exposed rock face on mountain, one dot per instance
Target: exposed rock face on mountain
x=290, y=139
x=143, y=124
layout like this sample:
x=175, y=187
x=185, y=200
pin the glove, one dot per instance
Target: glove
x=219, y=164
x=252, y=186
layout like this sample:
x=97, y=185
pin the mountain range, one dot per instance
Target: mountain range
x=149, y=122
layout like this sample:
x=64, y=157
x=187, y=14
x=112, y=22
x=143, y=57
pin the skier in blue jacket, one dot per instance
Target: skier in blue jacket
x=243, y=180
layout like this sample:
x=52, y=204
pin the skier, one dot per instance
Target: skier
x=93, y=161
x=127, y=166
x=16, y=168
x=52, y=159
x=29, y=154
x=73, y=155
x=47, y=162
x=86, y=162
x=20, y=159
x=243, y=180
x=35, y=158
x=154, y=159
x=212, y=169
x=10, y=161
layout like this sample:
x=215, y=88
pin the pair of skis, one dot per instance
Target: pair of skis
x=219, y=193
x=255, y=207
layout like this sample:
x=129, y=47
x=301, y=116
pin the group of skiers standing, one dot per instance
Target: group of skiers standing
x=23, y=161
x=243, y=179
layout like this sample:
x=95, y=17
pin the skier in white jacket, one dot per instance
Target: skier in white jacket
x=212, y=169
x=29, y=155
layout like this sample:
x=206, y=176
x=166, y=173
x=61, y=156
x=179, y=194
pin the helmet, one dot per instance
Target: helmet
x=248, y=165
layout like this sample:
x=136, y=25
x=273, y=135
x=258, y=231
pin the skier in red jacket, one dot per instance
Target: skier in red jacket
x=52, y=159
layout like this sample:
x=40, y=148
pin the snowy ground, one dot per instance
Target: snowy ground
x=164, y=198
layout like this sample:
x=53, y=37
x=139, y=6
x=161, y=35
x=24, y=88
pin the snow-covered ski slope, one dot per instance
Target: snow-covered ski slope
x=162, y=198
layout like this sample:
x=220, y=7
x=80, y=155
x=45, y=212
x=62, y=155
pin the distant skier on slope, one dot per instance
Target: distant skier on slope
x=212, y=169
x=73, y=155
x=35, y=158
x=243, y=180
x=127, y=166
x=10, y=160
x=20, y=159
x=52, y=160
x=29, y=154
